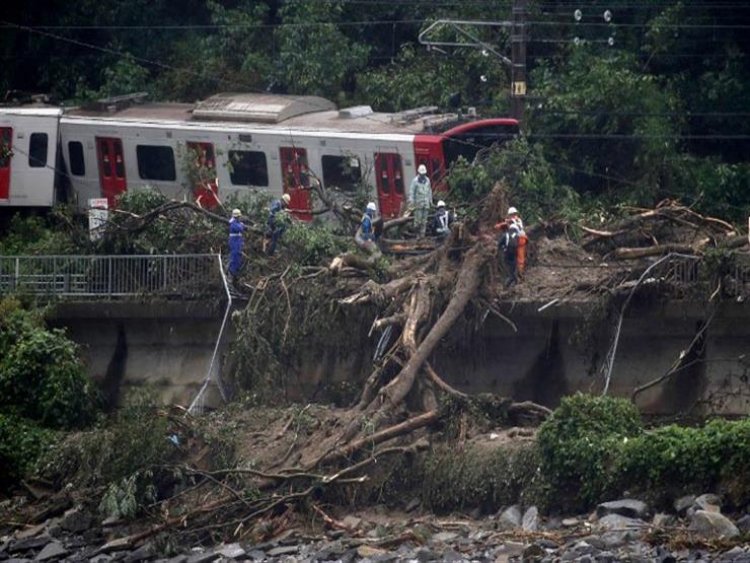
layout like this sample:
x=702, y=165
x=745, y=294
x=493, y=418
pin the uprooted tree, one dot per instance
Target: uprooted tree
x=418, y=305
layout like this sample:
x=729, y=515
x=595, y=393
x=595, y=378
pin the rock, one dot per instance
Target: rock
x=203, y=557
x=111, y=521
x=141, y=554
x=712, y=525
x=283, y=550
x=76, y=520
x=570, y=522
x=369, y=551
x=530, y=521
x=532, y=552
x=351, y=522
x=256, y=555
x=683, y=503
x=743, y=524
x=631, y=508
x=53, y=550
x=734, y=554
x=412, y=505
x=230, y=551
x=29, y=543
x=444, y=537
x=662, y=520
x=423, y=555
x=708, y=502
x=31, y=532
x=510, y=518
x=618, y=522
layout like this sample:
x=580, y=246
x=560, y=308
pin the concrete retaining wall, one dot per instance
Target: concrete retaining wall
x=553, y=353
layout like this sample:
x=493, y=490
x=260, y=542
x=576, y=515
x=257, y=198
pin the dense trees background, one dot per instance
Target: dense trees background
x=659, y=113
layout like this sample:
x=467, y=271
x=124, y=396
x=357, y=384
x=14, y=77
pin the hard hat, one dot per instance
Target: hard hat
x=236, y=212
x=287, y=198
x=422, y=169
x=371, y=207
x=512, y=211
x=441, y=203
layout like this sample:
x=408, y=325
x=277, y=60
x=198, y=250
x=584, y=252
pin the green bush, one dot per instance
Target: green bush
x=579, y=444
x=133, y=440
x=41, y=376
x=21, y=443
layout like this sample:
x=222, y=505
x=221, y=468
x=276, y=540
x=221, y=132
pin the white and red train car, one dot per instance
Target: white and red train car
x=246, y=141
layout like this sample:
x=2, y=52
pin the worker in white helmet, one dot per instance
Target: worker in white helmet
x=512, y=245
x=365, y=236
x=442, y=221
x=276, y=224
x=420, y=198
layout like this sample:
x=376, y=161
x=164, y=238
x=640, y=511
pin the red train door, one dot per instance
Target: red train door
x=390, y=181
x=205, y=187
x=294, y=171
x=6, y=144
x=111, y=168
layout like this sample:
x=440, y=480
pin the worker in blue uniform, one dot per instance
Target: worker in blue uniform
x=236, y=228
x=276, y=226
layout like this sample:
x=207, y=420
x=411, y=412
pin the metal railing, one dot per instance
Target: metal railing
x=185, y=276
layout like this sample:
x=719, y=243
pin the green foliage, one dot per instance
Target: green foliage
x=21, y=443
x=59, y=232
x=312, y=244
x=480, y=477
x=578, y=446
x=125, y=498
x=522, y=166
x=135, y=439
x=179, y=233
x=41, y=376
x=673, y=460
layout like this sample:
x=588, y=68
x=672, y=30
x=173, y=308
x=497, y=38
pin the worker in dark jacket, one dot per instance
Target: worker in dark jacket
x=276, y=225
x=443, y=220
x=365, y=236
x=236, y=228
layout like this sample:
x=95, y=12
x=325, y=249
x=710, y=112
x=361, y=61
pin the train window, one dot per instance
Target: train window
x=77, y=165
x=38, y=150
x=342, y=172
x=155, y=163
x=248, y=168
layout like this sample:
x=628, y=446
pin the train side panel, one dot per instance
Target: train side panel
x=27, y=164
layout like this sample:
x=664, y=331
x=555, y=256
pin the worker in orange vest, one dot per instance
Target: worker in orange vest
x=512, y=243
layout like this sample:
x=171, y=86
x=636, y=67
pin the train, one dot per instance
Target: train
x=236, y=142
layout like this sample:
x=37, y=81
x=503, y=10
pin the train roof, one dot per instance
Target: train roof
x=270, y=111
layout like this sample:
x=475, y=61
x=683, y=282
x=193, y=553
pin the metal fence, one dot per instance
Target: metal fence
x=180, y=276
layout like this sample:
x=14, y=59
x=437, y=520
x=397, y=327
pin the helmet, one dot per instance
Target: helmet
x=441, y=203
x=371, y=206
x=236, y=212
x=286, y=198
x=512, y=211
x=422, y=169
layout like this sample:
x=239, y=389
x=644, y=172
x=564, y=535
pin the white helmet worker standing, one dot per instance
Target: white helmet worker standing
x=420, y=199
x=286, y=198
x=422, y=169
x=371, y=206
x=236, y=213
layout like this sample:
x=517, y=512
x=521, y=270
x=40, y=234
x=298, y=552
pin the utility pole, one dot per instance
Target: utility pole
x=518, y=60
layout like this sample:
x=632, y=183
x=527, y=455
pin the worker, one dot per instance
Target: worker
x=276, y=225
x=512, y=244
x=442, y=221
x=236, y=228
x=420, y=198
x=365, y=236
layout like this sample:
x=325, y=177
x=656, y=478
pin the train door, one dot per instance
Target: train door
x=6, y=144
x=390, y=181
x=296, y=177
x=205, y=187
x=111, y=168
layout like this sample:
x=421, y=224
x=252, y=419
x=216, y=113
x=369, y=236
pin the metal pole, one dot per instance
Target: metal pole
x=518, y=59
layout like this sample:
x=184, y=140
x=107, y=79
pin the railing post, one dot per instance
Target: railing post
x=109, y=276
x=18, y=272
